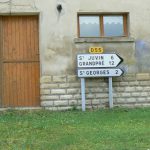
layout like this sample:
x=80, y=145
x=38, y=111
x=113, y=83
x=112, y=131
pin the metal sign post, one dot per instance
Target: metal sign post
x=110, y=93
x=83, y=93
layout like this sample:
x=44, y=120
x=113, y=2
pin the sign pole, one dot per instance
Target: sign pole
x=83, y=93
x=110, y=93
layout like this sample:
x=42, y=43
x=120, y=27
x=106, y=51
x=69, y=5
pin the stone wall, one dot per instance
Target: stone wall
x=63, y=92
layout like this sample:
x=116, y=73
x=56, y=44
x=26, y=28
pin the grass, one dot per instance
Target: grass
x=117, y=129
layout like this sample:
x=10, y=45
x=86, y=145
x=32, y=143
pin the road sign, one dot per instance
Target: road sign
x=96, y=50
x=98, y=60
x=107, y=72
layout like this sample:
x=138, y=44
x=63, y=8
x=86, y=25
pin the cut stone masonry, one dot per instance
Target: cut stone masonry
x=63, y=92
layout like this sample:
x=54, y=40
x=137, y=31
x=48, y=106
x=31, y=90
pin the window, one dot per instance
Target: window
x=89, y=26
x=102, y=25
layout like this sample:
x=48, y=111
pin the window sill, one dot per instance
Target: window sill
x=104, y=40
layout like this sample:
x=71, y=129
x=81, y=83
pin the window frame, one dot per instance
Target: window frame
x=101, y=22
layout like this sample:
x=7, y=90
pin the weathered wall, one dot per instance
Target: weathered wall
x=61, y=49
x=61, y=29
x=58, y=31
x=59, y=45
x=63, y=92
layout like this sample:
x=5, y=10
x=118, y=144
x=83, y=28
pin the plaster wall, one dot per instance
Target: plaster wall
x=58, y=32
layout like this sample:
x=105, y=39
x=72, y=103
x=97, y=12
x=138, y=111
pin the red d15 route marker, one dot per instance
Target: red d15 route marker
x=106, y=72
x=98, y=60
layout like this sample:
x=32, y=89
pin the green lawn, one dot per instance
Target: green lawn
x=118, y=129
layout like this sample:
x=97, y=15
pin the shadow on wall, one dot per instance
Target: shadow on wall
x=142, y=55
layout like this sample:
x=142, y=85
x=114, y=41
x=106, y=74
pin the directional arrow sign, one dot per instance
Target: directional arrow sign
x=98, y=60
x=108, y=72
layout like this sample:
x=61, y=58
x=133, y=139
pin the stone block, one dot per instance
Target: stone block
x=95, y=90
x=96, y=85
x=148, y=98
x=44, y=92
x=51, y=108
x=77, y=96
x=73, y=102
x=59, y=79
x=146, y=89
x=89, y=107
x=79, y=102
x=131, y=100
x=129, y=77
x=116, y=84
x=141, y=99
x=145, y=83
x=119, y=89
x=120, y=100
x=115, y=95
x=144, y=94
x=64, y=85
x=133, y=83
x=90, y=96
x=46, y=79
x=139, y=88
x=117, y=79
x=75, y=85
x=95, y=102
x=129, y=89
x=124, y=84
x=66, y=97
x=104, y=100
x=136, y=94
x=58, y=91
x=104, y=103
x=146, y=105
x=72, y=78
x=61, y=103
x=125, y=94
x=48, y=86
x=72, y=91
x=102, y=95
x=49, y=97
x=47, y=103
x=105, y=90
x=142, y=76
x=64, y=108
x=88, y=102
x=130, y=105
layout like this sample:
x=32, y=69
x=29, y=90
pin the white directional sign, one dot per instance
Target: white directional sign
x=98, y=65
x=98, y=60
x=107, y=72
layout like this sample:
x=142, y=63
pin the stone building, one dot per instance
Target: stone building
x=40, y=40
